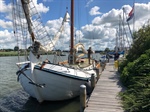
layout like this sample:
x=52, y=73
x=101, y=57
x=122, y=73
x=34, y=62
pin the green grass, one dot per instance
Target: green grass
x=15, y=53
x=10, y=53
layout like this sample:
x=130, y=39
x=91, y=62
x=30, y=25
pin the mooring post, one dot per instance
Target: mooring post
x=82, y=98
x=101, y=67
x=93, y=80
x=97, y=74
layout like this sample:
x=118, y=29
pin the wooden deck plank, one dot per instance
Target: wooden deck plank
x=104, y=97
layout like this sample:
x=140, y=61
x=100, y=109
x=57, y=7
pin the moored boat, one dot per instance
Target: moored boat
x=43, y=79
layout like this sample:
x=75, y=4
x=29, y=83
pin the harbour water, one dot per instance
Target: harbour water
x=14, y=99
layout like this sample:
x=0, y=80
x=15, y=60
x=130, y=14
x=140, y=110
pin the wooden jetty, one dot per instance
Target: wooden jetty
x=104, y=97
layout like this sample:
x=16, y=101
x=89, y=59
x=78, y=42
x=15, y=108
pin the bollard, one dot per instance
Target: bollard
x=82, y=97
x=116, y=64
x=93, y=80
x=97, y=73
x=100, y=69
x=102, y=66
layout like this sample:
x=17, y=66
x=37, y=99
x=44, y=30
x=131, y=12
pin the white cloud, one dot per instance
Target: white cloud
x=141, y=14
x=40, y=7
x=100, y=34
x=95, y=11
x=5, y=24
x=110, y=17
x=107, y=24
x=97, y=36
x=3, y=7
x=4, y=34
x=5, y=10
x=6, y=39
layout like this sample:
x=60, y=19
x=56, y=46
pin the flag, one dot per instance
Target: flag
x=131, y=14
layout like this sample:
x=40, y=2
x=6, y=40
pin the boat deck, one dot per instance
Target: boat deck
x=84, y=63
x=80, y=64
x=104, y=97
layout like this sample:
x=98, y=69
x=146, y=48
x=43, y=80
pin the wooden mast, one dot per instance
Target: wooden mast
x=71, y=56
x=72, y=26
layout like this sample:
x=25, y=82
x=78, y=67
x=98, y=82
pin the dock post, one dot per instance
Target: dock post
x=101, y=67
x=93, y=80
x=82, y=98
x=97, y=74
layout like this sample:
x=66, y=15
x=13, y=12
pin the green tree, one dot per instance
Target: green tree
x=16, y=48
x=107, y=50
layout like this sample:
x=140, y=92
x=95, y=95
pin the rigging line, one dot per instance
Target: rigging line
x=47, y=34
x=23, y=28
x=134, y=15
x=119, y=32
x=125, y=32
x=117, y=40
x=79, y=19
x=14, y=23
x=128, y=25
x=129, y=44
x=36, y=17
x=17, y=28
x=122, y=20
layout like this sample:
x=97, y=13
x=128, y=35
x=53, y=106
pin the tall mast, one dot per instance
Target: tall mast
x=71, y=58
x=72, y=27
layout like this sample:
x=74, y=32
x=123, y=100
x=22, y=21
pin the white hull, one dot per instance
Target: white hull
x=61, y=83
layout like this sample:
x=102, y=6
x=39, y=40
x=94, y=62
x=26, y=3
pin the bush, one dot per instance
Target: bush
x=135, y=75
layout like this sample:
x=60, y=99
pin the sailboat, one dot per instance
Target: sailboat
x=43, y=79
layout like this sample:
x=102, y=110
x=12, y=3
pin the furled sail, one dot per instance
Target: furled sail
x=25, y=6
x=27, y=20
x=80, y=46
x=49, y=46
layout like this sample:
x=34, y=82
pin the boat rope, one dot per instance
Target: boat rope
x=31, y=81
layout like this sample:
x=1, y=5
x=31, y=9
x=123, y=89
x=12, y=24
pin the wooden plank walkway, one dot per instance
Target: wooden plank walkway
x=104, y=96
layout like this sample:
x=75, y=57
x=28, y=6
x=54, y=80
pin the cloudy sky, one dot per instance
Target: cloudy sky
x=96, y=21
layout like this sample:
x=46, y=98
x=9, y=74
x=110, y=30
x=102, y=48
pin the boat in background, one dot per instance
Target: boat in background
x=40, y=78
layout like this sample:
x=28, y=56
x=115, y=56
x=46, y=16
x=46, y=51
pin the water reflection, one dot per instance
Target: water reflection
x=19, y=101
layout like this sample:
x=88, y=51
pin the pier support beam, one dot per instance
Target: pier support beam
x=82, y=98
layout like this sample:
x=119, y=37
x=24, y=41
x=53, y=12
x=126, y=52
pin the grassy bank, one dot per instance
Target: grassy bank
x=15, y=53
x=10, y=53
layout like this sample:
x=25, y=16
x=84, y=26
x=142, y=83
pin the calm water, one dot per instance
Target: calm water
x=14, y=99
